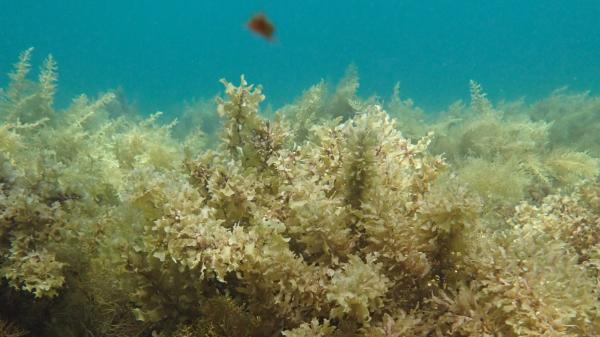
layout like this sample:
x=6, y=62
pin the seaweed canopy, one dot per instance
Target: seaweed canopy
x=504, y=155
x=344, y=229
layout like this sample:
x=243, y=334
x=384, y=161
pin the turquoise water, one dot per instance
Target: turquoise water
x=164, y=52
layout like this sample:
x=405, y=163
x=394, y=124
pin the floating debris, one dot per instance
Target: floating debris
x=259, y=24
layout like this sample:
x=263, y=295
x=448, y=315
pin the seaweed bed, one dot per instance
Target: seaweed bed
x=333, y=216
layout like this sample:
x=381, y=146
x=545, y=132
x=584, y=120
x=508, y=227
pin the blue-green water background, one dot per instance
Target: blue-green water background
x=164, y=52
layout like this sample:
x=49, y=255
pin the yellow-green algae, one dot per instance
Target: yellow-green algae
x=323, y=220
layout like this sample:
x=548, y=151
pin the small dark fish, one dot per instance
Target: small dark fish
x=259, y=24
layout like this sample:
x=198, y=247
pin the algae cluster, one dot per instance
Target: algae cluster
x=322, y=220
